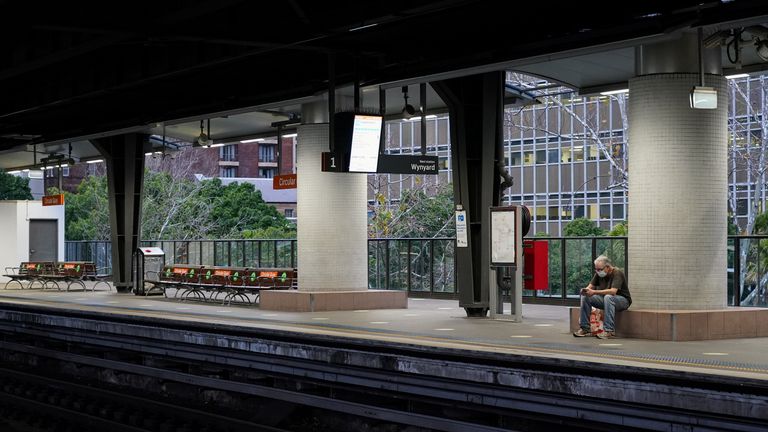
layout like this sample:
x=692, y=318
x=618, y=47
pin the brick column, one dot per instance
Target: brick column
x=332, y=219
x=677, y=194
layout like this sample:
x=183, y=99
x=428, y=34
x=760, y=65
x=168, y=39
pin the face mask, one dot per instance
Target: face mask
x=602, y=273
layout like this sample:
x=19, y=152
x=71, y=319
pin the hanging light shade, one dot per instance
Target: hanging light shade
x=408, y=110
x=761, y=46
x=204, y=139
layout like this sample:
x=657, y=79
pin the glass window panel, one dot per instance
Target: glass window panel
x=528, y=158
x=618, y=211
x=553, y=155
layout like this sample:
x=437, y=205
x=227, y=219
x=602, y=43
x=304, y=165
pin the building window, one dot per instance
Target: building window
x=742, y=207
x=267, y=172
x=267, y=153
x=288, y=213
x=228, y=172
x=228, y=153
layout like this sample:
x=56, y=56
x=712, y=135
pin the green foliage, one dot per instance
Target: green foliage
x=582, y=227
x=179, y=209
x=87, y=210
x=238, y=207
x=542, y=234
x=761, y=224
x=733, y=229
x=418, y=214
x=273, y=232
x=619, y=230
x=14, y=188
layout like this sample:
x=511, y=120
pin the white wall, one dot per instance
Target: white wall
x=14, y=230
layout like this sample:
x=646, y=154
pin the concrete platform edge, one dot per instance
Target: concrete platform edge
x=316, y=301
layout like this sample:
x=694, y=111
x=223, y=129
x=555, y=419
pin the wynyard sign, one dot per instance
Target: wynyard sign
x=401, y=164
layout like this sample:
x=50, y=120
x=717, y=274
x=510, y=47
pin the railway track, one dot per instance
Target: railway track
x=322, y=385
x=32, y=403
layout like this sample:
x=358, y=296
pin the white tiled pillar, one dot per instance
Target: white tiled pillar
x=332, y=219
x=677, y=194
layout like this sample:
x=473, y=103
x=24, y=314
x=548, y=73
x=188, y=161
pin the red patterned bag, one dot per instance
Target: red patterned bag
x=596, y=321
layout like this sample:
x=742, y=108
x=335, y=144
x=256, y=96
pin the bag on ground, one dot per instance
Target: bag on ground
x=596, y=321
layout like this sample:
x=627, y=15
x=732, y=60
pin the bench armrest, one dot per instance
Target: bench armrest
x=13, y=270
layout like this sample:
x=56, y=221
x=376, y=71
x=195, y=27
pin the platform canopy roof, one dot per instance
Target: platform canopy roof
x=72, y=71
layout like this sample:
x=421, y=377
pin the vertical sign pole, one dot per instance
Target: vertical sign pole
x=517, y=279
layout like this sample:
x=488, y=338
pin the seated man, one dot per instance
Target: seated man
x=608, y=291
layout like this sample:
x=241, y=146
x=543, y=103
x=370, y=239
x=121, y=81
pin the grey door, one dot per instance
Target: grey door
x=43, y=240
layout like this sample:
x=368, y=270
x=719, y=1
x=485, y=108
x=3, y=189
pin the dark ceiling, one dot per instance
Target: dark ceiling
x=75, y=68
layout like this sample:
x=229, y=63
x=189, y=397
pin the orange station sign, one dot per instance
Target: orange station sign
x=52, y=200
x=287, y=181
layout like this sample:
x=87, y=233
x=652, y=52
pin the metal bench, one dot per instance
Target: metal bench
x=69, y=273
x=209, y=283
x=28, y=271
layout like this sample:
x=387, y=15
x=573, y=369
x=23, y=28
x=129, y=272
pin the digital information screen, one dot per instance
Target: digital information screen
x=364, y=151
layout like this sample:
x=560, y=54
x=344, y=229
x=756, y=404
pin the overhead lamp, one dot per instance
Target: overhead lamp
x=408, y=109
x=737, y=76
x=55, y=160
x=204, y=139
x=761, y=46
x=613, y=92
x=702, y=97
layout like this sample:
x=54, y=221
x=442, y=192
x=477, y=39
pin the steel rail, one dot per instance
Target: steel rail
x=481, y=395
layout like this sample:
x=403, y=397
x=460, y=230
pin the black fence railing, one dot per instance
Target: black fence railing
x=426, y=266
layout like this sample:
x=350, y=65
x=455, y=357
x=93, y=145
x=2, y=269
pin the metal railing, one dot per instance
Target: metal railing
x=426, y=266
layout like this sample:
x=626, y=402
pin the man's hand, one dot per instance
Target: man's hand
x=589, y=292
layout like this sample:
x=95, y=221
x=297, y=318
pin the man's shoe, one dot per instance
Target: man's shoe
x=607, y=335
x=582, y=333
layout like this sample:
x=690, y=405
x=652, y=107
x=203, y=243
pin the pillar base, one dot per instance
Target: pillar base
x=316, y=301
x=687, y=325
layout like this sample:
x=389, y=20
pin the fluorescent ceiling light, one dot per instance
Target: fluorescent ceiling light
x=252, y=140
x=290, y=135
x=13, y=172
x=430, y=116
x=703, y=98
x=95, y=161
x=364, y=27
x=613, y=92
x=734, y=76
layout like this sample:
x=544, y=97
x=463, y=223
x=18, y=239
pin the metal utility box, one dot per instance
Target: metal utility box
x=148, y=262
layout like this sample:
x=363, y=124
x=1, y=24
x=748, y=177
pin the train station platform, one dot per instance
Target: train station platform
x=438, y=324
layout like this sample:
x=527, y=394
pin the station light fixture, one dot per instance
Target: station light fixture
x=204, y=139
x=408, y=110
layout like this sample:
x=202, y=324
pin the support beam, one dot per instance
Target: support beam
x=124, y=157
x=475, y=104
